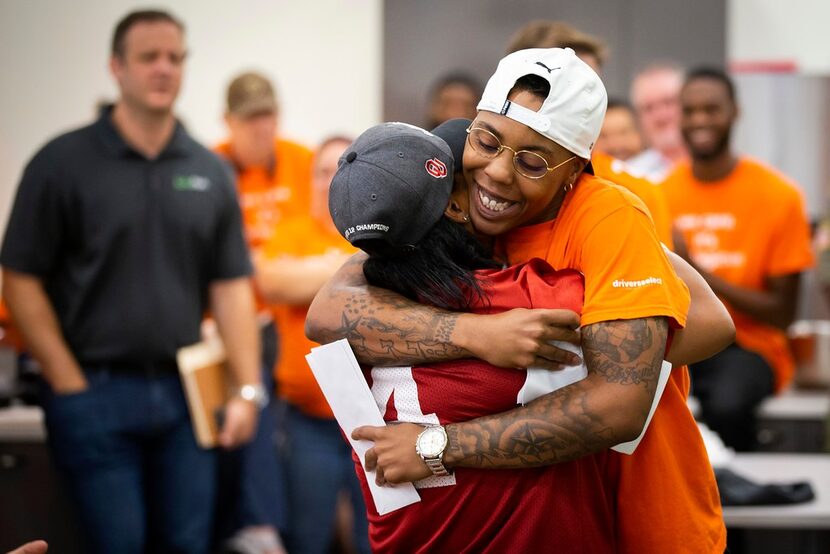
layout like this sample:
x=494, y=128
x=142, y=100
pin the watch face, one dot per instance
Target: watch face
x=432, y=442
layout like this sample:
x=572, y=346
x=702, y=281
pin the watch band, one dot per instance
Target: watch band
x=436, y=466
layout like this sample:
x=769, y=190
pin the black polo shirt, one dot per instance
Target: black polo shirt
x=126, y=246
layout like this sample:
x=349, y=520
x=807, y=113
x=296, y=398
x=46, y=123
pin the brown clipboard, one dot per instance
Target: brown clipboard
x=204, y=374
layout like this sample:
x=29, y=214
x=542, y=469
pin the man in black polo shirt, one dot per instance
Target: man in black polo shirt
x=122, y=235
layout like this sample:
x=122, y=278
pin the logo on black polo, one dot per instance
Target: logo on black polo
x=191, y=182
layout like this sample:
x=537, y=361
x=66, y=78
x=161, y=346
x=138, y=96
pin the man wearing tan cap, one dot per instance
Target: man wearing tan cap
x=273, y=174
x=273, y=179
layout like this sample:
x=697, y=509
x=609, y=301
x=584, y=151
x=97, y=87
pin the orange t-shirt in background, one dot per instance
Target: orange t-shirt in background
x=268, y=195
x=745, y=228
x=606, y=167
x=300, y=236
x=667, y=498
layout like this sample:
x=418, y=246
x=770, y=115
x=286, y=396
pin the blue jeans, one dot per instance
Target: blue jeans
x=318, y=464
x=141, y=482
x=251, y=479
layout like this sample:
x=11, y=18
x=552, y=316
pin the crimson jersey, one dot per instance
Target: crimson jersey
x=567, y=507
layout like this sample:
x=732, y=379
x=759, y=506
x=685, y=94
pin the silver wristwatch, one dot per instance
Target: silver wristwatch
x=255, y=393
x=430, y=446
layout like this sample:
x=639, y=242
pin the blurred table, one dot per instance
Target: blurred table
x=799, y=528
x=794, y=421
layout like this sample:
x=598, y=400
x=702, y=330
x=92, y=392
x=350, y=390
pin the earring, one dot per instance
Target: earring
x=569, y=187
x=466, y=218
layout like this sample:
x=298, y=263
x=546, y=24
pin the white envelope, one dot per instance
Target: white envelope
x=542, y=381
x=630, y=446
x=342, y=382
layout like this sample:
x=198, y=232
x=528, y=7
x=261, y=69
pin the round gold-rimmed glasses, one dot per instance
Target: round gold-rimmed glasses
x=528, y=164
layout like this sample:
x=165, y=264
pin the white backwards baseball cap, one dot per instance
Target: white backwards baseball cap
x=571, y=115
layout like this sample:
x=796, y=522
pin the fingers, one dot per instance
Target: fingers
x=370, y=459
x=367, y=432
x=560, y=318
x=226, y=433
x=379, y=477
x=563, y=334
x=549, y=354
x=34, y=547
x=239, y=425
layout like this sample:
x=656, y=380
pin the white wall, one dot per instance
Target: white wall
x=777, y=30
x=323, y=55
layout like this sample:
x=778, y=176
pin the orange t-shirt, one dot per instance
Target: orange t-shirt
x=667, y=497
x=745, y=228
x=9, y=335
x=652, y=195
x=300, y=236
x=268, y=195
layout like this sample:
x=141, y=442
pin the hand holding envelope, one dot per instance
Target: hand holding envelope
x=342, y=382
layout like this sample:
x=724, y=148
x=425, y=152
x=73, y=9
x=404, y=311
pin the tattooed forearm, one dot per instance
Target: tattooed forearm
x=382, y=327
x=615, y=351
x=605, y=409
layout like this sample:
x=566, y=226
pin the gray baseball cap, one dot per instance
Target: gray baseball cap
x=392, y=184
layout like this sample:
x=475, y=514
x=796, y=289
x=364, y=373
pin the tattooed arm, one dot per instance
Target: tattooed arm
x=384, y=328
x=606, y=408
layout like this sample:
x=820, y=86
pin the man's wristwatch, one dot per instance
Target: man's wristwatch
x=430, y=446
x=254, y=393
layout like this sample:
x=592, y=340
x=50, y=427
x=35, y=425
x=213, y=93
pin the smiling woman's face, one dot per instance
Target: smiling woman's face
x=501, y=199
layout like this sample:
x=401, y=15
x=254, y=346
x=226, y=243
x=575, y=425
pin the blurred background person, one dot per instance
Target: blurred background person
x=273, y=175
x=545, y=33
x=451, y=96
x=303, y=253
x=273, y=179
x=655, y=95
x=122, y=235
x=748, y=235
x=620, y=137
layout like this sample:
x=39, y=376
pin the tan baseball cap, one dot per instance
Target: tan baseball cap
x=251, y=93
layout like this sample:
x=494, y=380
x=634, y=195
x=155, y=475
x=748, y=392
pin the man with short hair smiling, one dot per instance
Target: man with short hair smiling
x=122, y=235
x=748, y=236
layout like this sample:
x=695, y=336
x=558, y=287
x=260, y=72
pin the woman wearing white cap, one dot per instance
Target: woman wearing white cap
x=526, y=167
x=391, y=196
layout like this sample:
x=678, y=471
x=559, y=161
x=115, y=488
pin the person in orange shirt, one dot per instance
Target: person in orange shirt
x=548, y=104
x=748, y=236
x=592, y=51
x=272, y=178
x=303, y=252
x=273, y=174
